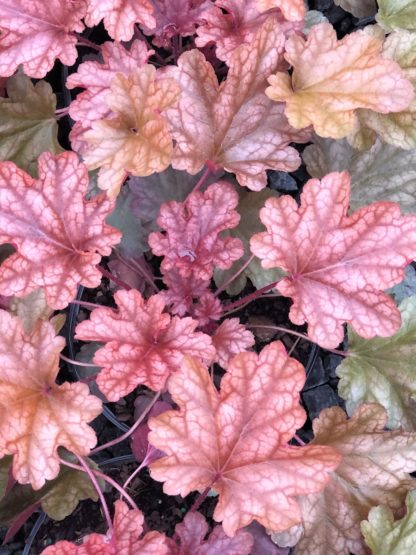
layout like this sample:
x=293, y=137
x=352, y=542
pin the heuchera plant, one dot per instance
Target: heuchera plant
x=124, y=241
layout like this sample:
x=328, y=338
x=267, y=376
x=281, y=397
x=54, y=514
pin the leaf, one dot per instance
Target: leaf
x=233, y=126
x=384, y=172
x=37, y=415
x=192, y=531
x=396, y=14
x=120, y=16
x=136, y=137
x=31, y=308
x=231, y=338
x=96, y=76
x=175, y=17
x=293, y=10
x=374, y=470
x=59, y=237
x=144, y=345
x=385, y=536
x=358, y=8
x=58, y=497
x=124, y=540
x=27, y=122
x=236, y=441
x=337, y=265
x=248, y=208
x=383, y=371
x=323, y=66
x=5, y=463
x=182, y=291
x=190, y=240
x=397, y=129
x=37, y=33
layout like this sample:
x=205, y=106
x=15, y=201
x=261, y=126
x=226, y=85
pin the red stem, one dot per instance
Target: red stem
x=113, y=278
x=251, y=297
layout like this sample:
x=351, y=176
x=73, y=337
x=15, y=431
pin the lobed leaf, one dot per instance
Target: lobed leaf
x=231, y=338
x=396, y=14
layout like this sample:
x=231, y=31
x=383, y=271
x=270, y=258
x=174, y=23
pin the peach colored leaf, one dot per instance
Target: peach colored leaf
x=31, y=308
x=37, y=415
x=59, y=237
x=28, y=124
x=120, y=16
x=359, y=8
x=144, y=345
x=374, y=470
x=190, y=240
x=229, y=339
x=124, y=540
x=293, y=10
x=136, y=138
x=96, y=76
x=324, y=66
x=233, y=125
x=396, y=14
x=175, y=17
x=35, y=33
x=337, y=265
x=236, y=441
x=192, y=531
x=383, y=172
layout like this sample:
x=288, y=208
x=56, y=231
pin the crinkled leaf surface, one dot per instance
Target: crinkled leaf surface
x=190, y=240
x=231, y=338
x=58, y=497
x=384, y=172
x=120, y=16
x=236, y=441
x=35, y=33
x=27, y=122
x=323, y=66
x=248, y=208
x=136, y=139
x=383, y=370
x=233, y=125
x=358, y=8
x=398, y=129
x=385, y=536
x=293, y=10
x=60, y=238
x=144, y=345
x=37, y=415
x=374, y=470
x=192, y=531
x=337, y=265
x=397, y=14
x=124, y=540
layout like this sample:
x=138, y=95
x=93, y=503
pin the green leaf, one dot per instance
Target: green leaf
x=388, y=537
x=248, y=208
x=382, y=173
x=383, y=370
x=397, y=14
x=4, y=473
x=58, y=497
x=27, y=122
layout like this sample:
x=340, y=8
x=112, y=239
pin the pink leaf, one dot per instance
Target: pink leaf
x=59, y=237
x=229, y=339
x=35, y=33
x=293, y=10
x=120, y=16
x=337, y=265
x=208, y=308
x=144, y=345
x=182, y=291
x=191, y=242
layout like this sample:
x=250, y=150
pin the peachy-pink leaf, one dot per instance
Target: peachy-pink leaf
x=337, y=265
x=143, y=344
x=60, y=238
x=35, y=33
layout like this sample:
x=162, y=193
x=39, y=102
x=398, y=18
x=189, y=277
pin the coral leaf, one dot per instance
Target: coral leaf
x=36, y=33
x=324, y=66
x=27, y=122
x=374, y=470
x=59, y=237
x=233, y=125
x=397, y=14
x=144, y=345
x=31, y=308
x=120, y=16
x=191, y=240
x=128, y=526
x=236, y=441
x=293, y=10
x=338, y=266
x=37, y=415
x=231, y=338
x=383, y=371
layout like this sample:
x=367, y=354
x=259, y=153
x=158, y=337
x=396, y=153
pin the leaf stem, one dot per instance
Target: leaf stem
x=71, y=361
x=91, y=306
x=82, y=41
x=113, y=278
x=200, y=182
x=249, y=298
